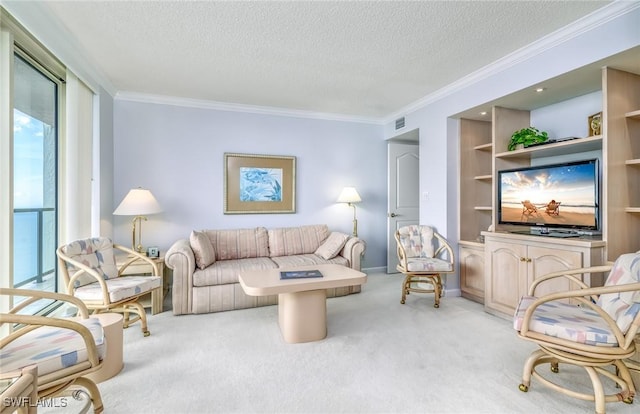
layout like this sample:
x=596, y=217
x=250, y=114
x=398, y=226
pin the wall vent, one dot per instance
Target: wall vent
x=400, y=123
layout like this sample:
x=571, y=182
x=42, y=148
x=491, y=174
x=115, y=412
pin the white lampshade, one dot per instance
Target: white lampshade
x=138, y=202
x=349, y=195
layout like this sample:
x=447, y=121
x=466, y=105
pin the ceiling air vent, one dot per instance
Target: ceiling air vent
x=400, y=123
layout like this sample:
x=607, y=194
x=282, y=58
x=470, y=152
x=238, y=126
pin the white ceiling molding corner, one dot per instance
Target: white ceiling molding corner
x=253, y=109
x=588, y=22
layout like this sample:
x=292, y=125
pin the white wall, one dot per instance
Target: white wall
x=177, y=153
x=437, y=155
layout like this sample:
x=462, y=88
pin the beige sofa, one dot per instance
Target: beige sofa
x=206, y=266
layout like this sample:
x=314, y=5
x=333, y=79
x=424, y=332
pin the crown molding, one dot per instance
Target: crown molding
x=232, y=107
x=597, y=18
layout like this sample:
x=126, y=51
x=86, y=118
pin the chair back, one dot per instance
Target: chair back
x=623, y=307
x=97, y=253
x=416, y=240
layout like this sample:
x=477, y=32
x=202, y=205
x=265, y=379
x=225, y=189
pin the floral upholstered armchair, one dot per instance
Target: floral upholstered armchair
x=595, y=330
x=424, y=255
x=90, y=273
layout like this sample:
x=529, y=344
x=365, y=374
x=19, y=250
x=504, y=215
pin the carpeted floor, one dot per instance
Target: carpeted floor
x=379, y=357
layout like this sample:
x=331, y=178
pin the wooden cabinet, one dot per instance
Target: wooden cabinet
x=472, y=271
x=513, y=262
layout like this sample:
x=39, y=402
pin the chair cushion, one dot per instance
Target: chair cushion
x=428, y=264
x=202, y=248
x=119, y=288
x=332, y=245
x=565, y=321
x=417, y=241
x=623, y=307
x=96, y=253
x=52, y=348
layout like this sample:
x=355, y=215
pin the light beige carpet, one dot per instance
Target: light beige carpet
x=379, y=357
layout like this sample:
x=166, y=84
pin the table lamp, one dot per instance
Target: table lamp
x=139, y=203
x=350, y=196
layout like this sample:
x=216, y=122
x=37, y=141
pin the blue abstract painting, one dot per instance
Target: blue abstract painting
x=260, y=184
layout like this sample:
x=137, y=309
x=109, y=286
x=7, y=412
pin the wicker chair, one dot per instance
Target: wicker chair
x=63, y=351
x=90, y=273
x=424, y=255
x=597, y=334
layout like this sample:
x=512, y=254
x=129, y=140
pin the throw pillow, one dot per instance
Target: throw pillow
x=202, y=249
x=332, y=246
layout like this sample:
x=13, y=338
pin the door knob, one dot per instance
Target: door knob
x=393, y=215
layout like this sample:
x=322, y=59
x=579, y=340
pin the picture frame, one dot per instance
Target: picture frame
x=259, y=184
x=153, y=252
x=594, y=124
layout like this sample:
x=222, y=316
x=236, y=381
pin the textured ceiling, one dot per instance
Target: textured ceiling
x=355, y=58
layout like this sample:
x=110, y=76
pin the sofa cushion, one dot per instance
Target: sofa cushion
x=307, y=259
x=290, y=241
x=202, y=248
x=332, y=246
x=226, y=271
x=239, y=243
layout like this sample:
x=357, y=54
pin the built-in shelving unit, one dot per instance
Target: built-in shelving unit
x=483, y=152
x=621, y=152
x=476, y=183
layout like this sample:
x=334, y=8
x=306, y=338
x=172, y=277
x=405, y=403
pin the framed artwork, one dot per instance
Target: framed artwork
x=255, y=184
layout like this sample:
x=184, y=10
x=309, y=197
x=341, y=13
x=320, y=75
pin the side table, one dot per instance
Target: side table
x=143, y=268
x=112, y=362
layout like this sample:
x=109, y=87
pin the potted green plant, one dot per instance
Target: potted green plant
x=526, y=137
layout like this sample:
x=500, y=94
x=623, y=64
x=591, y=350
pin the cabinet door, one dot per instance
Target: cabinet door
x=508, y=273
x=472, y=273
x=546, y=260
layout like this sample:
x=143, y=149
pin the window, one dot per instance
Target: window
x=35, y=137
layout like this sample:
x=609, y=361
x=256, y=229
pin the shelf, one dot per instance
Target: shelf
x=632, y=209
x=559, y=148
x=633, y=114
x=471, y=243
x=484, y=147
x=482, y=208
x=635, y=162
x=483, y=177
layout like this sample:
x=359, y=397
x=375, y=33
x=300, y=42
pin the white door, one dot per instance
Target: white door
x=403, y=200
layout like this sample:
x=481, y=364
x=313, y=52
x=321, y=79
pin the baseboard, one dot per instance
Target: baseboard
x=451, y=293
x=370, y=270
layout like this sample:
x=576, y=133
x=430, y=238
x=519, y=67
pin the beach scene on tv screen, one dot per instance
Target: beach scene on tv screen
x=559, y=196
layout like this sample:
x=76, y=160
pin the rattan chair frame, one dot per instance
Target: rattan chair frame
x=594, y=359
x=55, y=383
x=413, y=280
x=127, y=306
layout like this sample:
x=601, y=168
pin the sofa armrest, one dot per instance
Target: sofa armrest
x=181, y=260
x=352, y=251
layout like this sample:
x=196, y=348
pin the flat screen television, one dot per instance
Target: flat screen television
x=561, y=196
